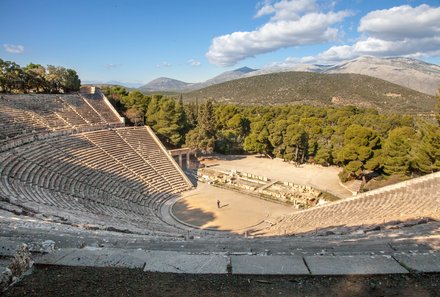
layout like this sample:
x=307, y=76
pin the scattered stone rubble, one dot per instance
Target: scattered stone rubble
x=286, y=192
x=21, y=263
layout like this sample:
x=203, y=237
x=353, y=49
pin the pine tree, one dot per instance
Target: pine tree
x=360, y=147
x=427, y=157
x=181, y=119
x=191, y=115
x=152, y=111
x=258, y=140
x=398, y=151
x=202, y=138
x=296, y=141
x=166, y=125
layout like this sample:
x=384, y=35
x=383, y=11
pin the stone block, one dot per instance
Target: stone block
x=426, y=262
x=175, y=262
x=348, y=265
x=292, y=265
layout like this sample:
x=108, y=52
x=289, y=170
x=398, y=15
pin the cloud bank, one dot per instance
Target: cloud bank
x=293, y=23
x=398, y=31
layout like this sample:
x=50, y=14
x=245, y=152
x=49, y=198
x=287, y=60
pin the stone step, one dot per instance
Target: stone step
x=222, y=263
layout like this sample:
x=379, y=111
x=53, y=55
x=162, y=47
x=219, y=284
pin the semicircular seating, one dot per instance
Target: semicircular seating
x=98, y=176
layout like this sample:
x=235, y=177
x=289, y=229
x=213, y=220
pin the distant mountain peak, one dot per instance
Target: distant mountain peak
x=245, y=69
x=169, y=84
x=409, y=72
x=229, y=75
x=164, y=84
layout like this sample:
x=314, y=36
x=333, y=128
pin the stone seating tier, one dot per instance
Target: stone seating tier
x=23, y=115
x=96, y=172
x=404, y=201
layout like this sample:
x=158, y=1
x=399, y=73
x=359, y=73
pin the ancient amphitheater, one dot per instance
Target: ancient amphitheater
x=75, y=181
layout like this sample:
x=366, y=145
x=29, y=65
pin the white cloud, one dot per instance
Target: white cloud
x=13, y=49
x=287, y=9
x=402, y=22
x=336, y=54
x=429, y=46
x=164, y=64
x=111, y=66
x=294, y=22
x=265, y=10
x=194, y=63
x=398, y=31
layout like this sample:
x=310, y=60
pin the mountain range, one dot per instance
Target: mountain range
x=411, y=73
x=169, y=84
x=112, y=83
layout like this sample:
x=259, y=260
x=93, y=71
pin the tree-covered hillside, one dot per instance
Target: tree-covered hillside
x=318, y=90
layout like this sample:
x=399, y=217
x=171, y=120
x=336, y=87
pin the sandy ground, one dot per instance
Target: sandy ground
x=322, y=178
x=240, y=212
x=237, y=211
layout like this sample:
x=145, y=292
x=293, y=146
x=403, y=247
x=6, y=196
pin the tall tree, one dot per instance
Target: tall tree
x=135, y=116
x=62, y=80
x=191, y=115
x=37, y=81
x=313, y=127
x=276, y=137
x=360, y=147
x=151, y=115
x=427, y=157
x=258, y=139
x=232, y=127
x=54, y=77
x=181, y=119
x=166, y=125
x=71, y=81
x=115, y=94
x=202, y=138
x=11, y=77
x=136, y=105
x=398, y=151
x=296, y=140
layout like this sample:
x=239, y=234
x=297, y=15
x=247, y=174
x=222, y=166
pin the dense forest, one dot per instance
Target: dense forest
x=36, y=78
x=362, y=141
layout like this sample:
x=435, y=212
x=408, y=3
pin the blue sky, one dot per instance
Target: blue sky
x=194, y=40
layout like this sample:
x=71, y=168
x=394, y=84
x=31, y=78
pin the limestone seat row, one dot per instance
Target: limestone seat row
x=33, y=113
x=95, y=172
x=404, y=201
